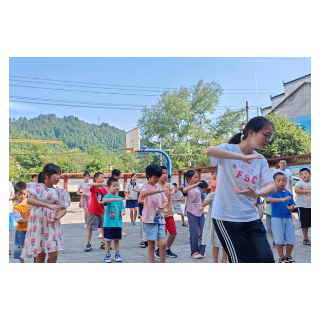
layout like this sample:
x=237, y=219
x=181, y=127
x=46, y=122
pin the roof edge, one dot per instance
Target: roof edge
x=285, y=83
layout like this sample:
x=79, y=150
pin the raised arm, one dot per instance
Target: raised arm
x=34, y=202
x=186, y=189
x=220, y=153
x=275, y=200
x=151, y=192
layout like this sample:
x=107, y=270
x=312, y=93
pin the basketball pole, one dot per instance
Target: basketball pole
x=168, y=164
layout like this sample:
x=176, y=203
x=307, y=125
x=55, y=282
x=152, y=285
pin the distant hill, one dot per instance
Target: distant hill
x=72, y=131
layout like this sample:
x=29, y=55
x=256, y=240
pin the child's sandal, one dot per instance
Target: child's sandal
x=306, y=242
x=290, y=260
x=142, y=244
x=283, y=260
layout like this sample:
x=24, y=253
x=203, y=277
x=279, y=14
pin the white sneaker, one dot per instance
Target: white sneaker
x=85, y=226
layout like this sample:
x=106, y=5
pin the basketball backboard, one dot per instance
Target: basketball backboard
x=133, y=140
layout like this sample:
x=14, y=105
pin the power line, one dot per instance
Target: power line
x=112, y=85
x=76, y=85
x=119, y=106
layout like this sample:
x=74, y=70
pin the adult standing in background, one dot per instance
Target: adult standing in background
x=213, y=181
x=286, y=172
x=11, y=219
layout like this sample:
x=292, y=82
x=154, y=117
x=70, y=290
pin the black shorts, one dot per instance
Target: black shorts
x=140, y=209
x=112, y=233
x=304, y=217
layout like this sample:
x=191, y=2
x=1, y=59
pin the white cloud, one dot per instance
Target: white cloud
x=18, y=106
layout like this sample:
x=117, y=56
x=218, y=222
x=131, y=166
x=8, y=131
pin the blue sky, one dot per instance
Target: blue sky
x=230, y=73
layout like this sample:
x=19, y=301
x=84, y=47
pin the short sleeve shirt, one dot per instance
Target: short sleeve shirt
x=194, y=201
x=97, y=195
x=214, y=183
x=279, y=209
x=178, y=195
x=21, y=211
x=132, y=189
x=85, y=187
x=151, y=213
x=112, y=213
x=303, y=200
x=229, y=206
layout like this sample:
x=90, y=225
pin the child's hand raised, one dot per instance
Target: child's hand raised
x=54, y=207
x=160, y=206
x=252, y=157
x=286, y=199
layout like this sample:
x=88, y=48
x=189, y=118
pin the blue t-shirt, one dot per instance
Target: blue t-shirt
x=112, y=212
x=279, y=209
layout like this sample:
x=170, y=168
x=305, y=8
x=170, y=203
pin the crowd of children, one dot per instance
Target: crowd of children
x=233, y=221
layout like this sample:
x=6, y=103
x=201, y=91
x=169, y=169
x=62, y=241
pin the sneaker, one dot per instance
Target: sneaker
x=88, y=247
x=117, y=257
x=107, y=258
x=103, y=246
x=100, y=235
x=170, y=254
x=184, y=225
x=85, y=226
x=156, y=254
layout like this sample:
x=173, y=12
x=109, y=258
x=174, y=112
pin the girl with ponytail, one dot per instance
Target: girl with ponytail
x=85, y=194
x=241, y=170
x=44, y=234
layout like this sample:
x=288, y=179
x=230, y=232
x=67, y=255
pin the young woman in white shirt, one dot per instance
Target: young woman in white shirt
x=241, y=170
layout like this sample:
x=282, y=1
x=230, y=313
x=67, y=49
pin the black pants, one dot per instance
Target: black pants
x=244, y=242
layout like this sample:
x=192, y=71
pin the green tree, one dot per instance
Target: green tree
x=181, y=119
x=288, y=138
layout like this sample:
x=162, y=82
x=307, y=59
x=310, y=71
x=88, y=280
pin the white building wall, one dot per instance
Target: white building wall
x=299, y=104
x=290, y=87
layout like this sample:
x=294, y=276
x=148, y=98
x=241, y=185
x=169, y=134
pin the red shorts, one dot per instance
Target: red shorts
x=170, y=226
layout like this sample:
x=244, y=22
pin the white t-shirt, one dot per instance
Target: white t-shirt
x=11, y=193
x=288, y=175
x=131, y=190
x=229, y=206
x=303, y=200
x=178, y=195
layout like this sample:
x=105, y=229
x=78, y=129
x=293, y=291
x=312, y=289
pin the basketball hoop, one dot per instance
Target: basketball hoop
x=128, y=149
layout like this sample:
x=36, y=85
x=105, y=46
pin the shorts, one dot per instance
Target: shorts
x=154, y=231
x=283, y=231
x=112, y=233
x=140, y=209
x=84, y=201
x=132, y=204
x=94, y=221
x=268, y=224
x=18, y=243
x=11, y=221
x=304, y=217
x=170, y=225
x=177, y=210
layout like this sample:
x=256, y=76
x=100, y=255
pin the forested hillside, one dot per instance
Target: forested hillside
x=73, y=132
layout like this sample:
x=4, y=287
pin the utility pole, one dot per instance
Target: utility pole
x=257, y=94
x=160, y=153
x=247, y=111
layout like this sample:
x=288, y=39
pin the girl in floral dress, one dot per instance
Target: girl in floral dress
x=44, y=233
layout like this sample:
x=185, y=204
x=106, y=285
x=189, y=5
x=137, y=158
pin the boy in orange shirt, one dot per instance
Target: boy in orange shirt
x=213, y=181
x=21, y=212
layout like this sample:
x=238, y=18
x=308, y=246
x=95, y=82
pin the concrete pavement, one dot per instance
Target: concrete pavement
x=75, y=240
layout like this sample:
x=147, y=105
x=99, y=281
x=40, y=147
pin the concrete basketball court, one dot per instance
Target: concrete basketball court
x=75, y=240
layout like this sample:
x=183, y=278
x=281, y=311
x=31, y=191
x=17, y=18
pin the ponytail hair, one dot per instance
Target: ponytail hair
x=50, y=169
x=255, y=124
x=40, y=179
x=86, y=173
x=187, y=175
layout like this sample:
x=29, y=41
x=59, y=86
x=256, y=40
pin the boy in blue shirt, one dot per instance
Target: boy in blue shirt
x=282, y=204
x=112, y=224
